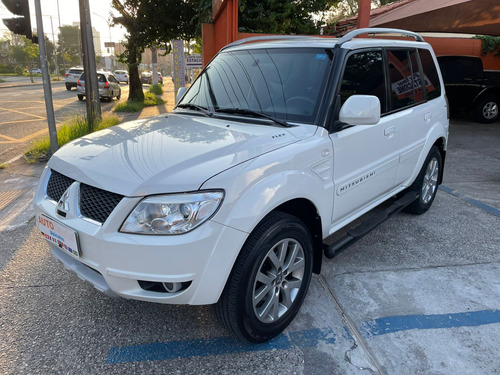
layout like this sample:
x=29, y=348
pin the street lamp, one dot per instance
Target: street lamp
x=110, y=40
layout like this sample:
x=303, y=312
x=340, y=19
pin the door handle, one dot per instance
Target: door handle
x=389, y=131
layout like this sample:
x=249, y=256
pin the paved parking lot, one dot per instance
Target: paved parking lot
x=419, y=295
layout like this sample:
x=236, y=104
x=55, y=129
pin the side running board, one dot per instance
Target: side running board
x=376, y=217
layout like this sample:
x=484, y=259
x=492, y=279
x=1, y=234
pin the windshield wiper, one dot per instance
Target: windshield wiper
x=196, y=107
x=249, y=112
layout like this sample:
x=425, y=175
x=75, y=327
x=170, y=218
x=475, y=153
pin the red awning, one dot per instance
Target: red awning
x=447, y=16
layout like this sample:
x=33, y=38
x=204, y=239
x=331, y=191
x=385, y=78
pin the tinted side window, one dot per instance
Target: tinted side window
x=431, y=77
x=364, y=75
x=417, y=77
x=401, y=79
x=112, y=79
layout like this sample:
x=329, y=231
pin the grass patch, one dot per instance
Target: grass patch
x=128, y=107
x=73, y=128
x=156, y=89
x=150, y=100
x=2, y=81
x=3, y=165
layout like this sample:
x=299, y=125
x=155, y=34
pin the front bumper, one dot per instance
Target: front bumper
x=115, y=262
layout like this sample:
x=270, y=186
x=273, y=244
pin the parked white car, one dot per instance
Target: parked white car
x=72, y=76
x=121, y=75
x=228, y=199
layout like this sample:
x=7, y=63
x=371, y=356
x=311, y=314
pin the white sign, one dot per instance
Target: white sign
x=194, y=61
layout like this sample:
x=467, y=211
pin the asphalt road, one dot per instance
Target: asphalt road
x=419, y=295
x=23, y=114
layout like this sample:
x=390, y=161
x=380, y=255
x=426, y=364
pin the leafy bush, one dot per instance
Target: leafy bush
x=156, y=89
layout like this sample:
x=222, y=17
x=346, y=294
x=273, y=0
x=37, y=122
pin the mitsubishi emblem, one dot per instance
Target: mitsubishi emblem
x=63, y=205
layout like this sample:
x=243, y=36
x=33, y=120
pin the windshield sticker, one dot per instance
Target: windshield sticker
x=321, y=56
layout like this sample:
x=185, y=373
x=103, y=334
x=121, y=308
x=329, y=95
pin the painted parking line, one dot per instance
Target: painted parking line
x=479, y=204
x=223, y=345
x=393, y=324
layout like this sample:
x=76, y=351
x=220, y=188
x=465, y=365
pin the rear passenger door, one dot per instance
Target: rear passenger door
x=365, y=156
x=414, y=84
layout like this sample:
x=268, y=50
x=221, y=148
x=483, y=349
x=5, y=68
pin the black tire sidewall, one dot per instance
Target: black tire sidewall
x=418, y=206
x=252, y=327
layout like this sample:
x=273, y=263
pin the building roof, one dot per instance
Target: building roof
x=448, y=16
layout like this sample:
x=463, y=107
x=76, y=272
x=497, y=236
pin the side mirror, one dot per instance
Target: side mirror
x=180, y=94
x=360, y=110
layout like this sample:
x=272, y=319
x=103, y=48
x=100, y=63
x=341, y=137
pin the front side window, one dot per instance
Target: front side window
x=364, y=75
x=287, y=84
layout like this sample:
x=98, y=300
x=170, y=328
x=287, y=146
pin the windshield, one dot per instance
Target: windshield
x=287, y=83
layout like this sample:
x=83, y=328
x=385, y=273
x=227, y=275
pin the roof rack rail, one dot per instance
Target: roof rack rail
x=266, y=37
x=352, y=34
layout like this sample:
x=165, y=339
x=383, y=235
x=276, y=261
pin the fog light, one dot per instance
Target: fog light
x=172, y=287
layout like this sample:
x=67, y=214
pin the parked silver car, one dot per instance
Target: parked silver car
x=109, y=87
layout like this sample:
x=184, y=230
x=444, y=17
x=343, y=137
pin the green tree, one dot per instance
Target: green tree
x=281, y=17
x=151, y=23
x=69, y=44
x=342, y=9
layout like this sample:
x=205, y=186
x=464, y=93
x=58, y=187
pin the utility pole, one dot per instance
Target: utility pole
x=55, y=49
x=89, y=66
x=154, y=62
x=47, y=89
x=62, y=42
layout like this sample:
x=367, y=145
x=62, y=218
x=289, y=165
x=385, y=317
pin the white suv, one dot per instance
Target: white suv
x=227, y=200
x=72, y=77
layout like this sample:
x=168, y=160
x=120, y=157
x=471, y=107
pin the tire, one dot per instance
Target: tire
x=119, y=96
x=68, y=87
x=487, y=110
x=426, y=183
x=80, y=97
x=275, y=264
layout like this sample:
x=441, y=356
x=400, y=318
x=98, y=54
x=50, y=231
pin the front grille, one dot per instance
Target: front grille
x=57, y=185
x=97, y=204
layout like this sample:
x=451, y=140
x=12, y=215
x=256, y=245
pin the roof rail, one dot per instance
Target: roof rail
x=352, y=34
x=266, y=37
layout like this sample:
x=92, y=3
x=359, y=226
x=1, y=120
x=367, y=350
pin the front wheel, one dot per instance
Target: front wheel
x=269, y=279
x=80, y=97
x=426, y=183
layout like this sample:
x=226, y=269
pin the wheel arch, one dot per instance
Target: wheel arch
x=495, y=91
x=306, y=211
x=441, y=145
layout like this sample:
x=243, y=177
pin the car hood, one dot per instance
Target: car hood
x=166, y=154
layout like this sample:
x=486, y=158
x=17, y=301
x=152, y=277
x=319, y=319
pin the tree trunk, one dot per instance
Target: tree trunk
x=135, y=94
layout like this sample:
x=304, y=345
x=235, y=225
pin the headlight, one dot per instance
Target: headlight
x=172, y=214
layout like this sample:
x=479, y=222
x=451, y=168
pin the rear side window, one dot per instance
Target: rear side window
x=401, y=79
x=364, y=75
x=431, y=77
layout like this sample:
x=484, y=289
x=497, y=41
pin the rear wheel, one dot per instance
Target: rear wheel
x=80, y=97
x=68, y=87
x=487, y=110
x=269, y=279
x=426, y=183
